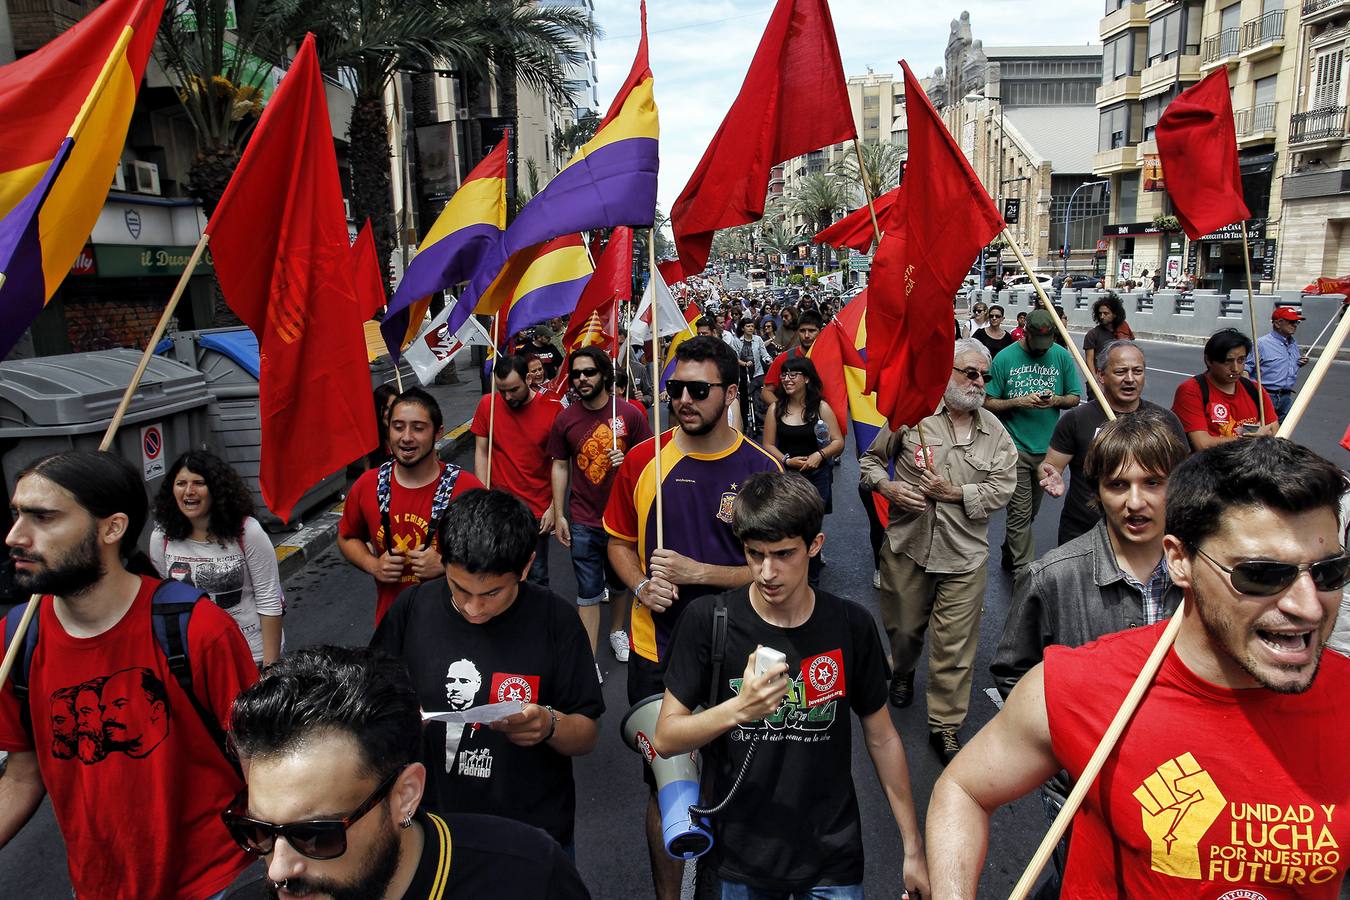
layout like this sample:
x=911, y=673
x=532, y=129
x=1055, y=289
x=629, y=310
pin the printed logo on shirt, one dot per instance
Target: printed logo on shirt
x=593, y=454
x=1263, y=842
x=619, y=426
x=409, y=533
x=725, y=507
x=1219, y=412
x=824, y=678
x=794, y=719
x=506, y=686
x=462, y=681
x=126, y=712
x=475, y=763
x=920, y=462
x=1242, y=894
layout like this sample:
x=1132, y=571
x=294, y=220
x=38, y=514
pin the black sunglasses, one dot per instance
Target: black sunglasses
x=583, y=373
x=698, y=390
x=973, y=373
x=316, y=839
x=1266, y=578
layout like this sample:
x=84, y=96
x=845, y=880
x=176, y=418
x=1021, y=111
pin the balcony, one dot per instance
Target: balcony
x=1255, y=125
x=1162, y=76
x=1126, y=88
x=1315, y=11
x=1121, y=159
x=1221, y=49
x=1263, y=36
x=1325, y=127
x=1131, y=15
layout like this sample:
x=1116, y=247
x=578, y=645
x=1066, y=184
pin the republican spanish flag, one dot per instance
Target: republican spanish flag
x=840, y=358
x=536, y=285
x=466, y=235
x=66, y=108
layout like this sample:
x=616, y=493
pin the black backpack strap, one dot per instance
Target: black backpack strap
x=20, y=674
x=444, y=489
x=1253, y=393
x=719, y=647
x=170, y=614
x=1204, y=390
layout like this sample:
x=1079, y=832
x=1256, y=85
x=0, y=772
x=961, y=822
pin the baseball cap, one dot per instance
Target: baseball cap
x=1040, y=330
x=1286, y=313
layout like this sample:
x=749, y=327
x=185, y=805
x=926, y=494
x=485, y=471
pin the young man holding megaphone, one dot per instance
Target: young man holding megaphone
x=780, y=733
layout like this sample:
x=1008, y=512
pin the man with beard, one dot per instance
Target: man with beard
x=358, y=832
x=1119, y=367
x=587, y=445
x=519, y=463
x=388, y=526
x=952, y=472
x=77, y=516
x=704, y=461
x=1240, y=738
x=64, y=740
x=135, y=711
x=1029, y=383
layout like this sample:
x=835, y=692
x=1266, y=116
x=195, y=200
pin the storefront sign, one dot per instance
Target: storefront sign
x=84, y=263
x=1129, y=229
x=127, y=261
x=1256, y=230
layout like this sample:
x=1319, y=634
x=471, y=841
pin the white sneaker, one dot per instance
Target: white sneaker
x=618, y=642
x=876, y=579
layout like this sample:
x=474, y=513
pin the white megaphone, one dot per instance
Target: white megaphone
x=676, y=783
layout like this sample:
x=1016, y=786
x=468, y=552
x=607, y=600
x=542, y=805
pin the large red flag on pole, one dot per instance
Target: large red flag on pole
x=941, y=218
x=281, y=251
x=794, y=100
x=611, y=284
x=1197, y=145
x=856, y=230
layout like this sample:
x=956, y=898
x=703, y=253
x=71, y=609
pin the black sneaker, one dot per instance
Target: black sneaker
x=1007, y=559
x=945, y=744
x=902, y=690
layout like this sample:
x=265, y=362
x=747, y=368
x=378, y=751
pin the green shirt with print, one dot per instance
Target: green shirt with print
x=1015, y=373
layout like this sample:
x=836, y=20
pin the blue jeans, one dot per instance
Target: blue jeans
x=1281, y=400
x=539, y=568
x=733, y=891
x=590, y=563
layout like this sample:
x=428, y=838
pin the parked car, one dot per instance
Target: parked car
x=1023, y=283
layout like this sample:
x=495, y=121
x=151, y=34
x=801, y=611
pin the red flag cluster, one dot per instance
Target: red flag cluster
x=1197, y=144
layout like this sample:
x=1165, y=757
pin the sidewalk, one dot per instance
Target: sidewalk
x=295, y=549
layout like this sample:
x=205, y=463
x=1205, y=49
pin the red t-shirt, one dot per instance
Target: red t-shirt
x=409, y=517
x=1224, y=412
x=584, y=437
x=771, y=377
x=520, y=460
x=1210, y=793
x=136, y=781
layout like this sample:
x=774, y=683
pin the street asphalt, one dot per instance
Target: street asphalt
x=330, y=602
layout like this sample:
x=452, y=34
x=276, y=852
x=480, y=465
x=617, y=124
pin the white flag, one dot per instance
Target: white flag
x=435, y=347
x=666, y=311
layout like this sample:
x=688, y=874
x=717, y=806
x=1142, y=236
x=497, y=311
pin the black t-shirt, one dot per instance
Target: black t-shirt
x=794, y=822
x=473, y=856
x=536, y=651
x=1073, y=435
x=992, y=345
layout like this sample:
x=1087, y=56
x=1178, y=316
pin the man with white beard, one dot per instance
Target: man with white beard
x=952, y=472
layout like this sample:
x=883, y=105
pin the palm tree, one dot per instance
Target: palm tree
x=816, y=199
x=880, y=170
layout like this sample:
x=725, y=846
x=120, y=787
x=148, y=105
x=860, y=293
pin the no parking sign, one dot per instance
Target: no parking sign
x=152, y=450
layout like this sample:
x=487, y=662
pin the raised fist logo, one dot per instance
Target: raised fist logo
x=1180, y=801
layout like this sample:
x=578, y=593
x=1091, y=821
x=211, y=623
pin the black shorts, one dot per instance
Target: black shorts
x=645, y=678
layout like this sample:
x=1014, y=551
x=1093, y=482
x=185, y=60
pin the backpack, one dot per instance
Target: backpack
x=1246, y=383
x=171, y=609
x=444, y=488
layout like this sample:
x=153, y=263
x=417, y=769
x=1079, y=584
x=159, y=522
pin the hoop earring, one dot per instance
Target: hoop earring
x=407, y=821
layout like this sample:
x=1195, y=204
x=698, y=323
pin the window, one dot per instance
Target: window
x=1164, y=37
x=1327, y=78
x=1191, y=36
x=1127, y=204
x=1113, y=5
x=1153, y=110
x=871, y=101
x=1116, y=58
x=1117, y=128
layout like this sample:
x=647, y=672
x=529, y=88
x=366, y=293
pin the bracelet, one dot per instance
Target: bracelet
x=553, y=725
x=637, y=591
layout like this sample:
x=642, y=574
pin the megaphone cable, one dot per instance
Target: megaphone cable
x=707, y=812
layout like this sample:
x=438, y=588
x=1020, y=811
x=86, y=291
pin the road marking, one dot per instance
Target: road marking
x=1170, y=372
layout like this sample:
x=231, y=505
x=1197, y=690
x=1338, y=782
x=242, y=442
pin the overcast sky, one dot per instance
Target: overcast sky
x=700, y=50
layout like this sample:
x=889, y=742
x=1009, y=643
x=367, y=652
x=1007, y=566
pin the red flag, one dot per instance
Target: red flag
x=370, y=295
x=941, y=218
x=855, y=229
x=611, y=283
x=794, y=100
x=1198, y=148
x=279, y=240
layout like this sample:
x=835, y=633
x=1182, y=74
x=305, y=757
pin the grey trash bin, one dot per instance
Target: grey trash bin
x=57, y=403
x=227, y=359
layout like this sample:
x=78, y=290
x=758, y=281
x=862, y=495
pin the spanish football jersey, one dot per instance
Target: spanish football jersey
x=698, y=490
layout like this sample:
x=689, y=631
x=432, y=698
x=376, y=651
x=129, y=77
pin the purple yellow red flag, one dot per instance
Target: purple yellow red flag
x=283, y=258
x=66, y=108
x=536, y=285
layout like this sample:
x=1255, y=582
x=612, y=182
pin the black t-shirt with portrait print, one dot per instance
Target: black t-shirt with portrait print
x=536, y=651
x=794, y=822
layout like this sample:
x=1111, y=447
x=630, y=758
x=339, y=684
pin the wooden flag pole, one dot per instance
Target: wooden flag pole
x=1088, y=375
x=398, y=379
x=867, y=191
x=11, y=652
x=1251, y=317
x=656, y=381
x=492, y=401
x=1319, y=371
x=1098, y=759
x=614, y=385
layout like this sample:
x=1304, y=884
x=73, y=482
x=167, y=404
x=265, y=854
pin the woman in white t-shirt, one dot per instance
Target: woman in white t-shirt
x=205, y=535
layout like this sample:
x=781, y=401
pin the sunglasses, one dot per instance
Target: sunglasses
x=698, y=390
x=973, y=374
x=316, y=838
x=583, y=373
x=996, y=315
x=1265, y=578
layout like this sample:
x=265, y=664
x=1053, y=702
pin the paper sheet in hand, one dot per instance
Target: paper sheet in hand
x=491, y=712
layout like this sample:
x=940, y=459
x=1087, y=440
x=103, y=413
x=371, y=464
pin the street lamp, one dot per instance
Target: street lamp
x=1068, y=206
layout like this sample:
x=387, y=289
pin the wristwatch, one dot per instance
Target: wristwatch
x=553, y=725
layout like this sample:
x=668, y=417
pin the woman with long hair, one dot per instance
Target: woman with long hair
x=205, y=535
x=979, y=317
x=803, y=433
x=1109, y=314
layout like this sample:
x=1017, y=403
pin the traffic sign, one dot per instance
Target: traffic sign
x=152, y=451
x=1101, y=245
